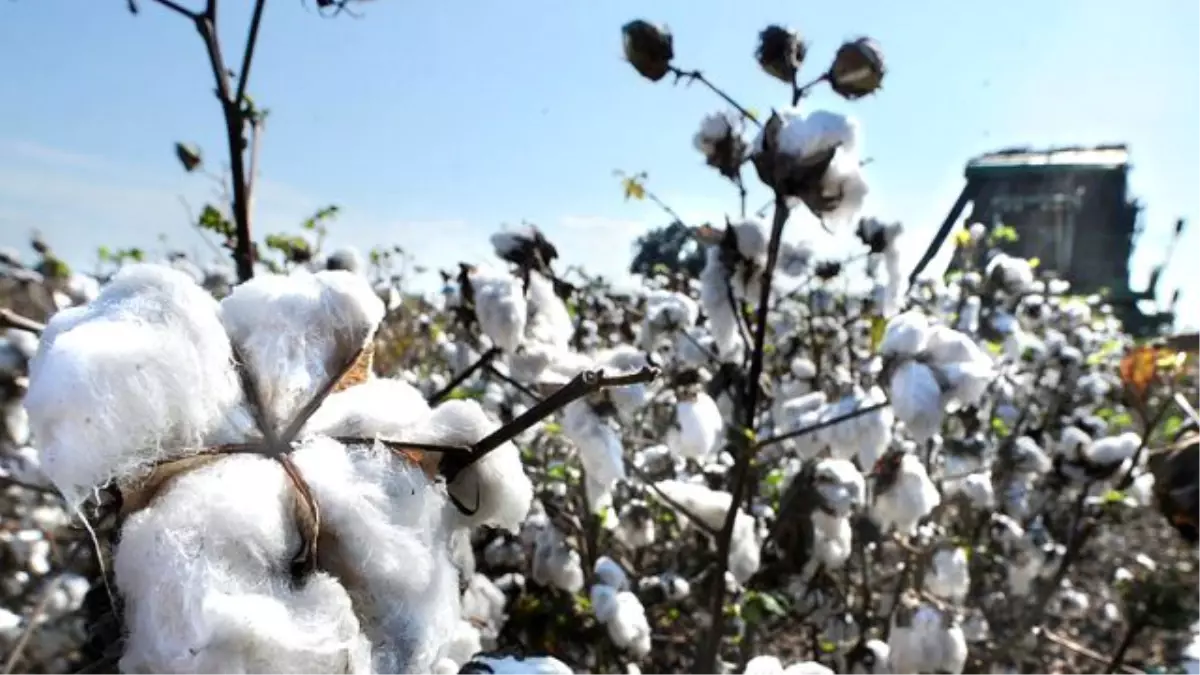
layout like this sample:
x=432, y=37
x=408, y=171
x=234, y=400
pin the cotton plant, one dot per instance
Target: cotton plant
x=732, y=274
x=171, y=345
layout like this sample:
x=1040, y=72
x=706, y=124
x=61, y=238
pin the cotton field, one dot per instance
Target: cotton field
x=752, y=469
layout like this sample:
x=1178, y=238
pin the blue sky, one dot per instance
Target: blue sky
x=431, y=123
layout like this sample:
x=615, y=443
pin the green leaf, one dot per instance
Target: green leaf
x=104, y=254
x=1114, y=497
x=552, y=428
x=878, y=330
x=994, y=348
x=827, y=646
x=999, y=427
x=774, y=478
x=557, y=472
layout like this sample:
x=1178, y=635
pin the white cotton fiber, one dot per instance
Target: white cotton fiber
x=600, y=449
x=549, y=321
x=293, y=330
x=202, y=571
x=699, y=428
x=498, y=480
x=500, y=307
x=141, y=374
x=389, y=545
x=380, y=407
x=722, y=317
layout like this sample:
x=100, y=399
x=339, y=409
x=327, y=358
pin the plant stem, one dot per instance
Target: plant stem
x=710, y=649
x=482, y=361
x=697, y=76
x=1131, y=632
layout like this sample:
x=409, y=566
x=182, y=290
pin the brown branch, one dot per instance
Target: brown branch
x=248, y=55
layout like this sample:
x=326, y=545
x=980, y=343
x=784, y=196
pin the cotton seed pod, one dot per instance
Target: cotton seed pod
x=648, y=48
x=857, y=69
x=780, y=52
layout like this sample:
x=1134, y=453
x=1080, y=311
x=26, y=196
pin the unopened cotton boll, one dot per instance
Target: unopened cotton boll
x=138, y=375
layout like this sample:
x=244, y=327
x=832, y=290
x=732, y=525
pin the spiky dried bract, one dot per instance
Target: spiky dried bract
x=648, y=48
x=140, y=375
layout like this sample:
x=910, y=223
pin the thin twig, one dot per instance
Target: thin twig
x=470, y=370
x=697, y=76
x=31, y=625
x=248, y=56
x=858, y=412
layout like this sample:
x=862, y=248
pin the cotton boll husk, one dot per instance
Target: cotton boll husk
x=599, y=445
x=392, y=541
x=501, y=307
x=138, y=375
x=202, y=574
x=295, y=331
x=699, y=428
x=549, y=322
x=917, y=399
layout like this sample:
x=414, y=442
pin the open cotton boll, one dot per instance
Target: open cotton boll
x=744, y=548
x=391, y=547
x=844, y=180
x=497, y=481
x=715, y=296
x=764, y=665
x=906, y=335
x=500, y=307
x=710, y=506
x=1113, y=450
x=549, y=321
x=202, y=572
x=807, y=668
x=604, y=602
x=1014, y=275
x=555, y=563
x=600, y=449
x=608, y=572
x=923, y=640
x=511, y=665
x=463, y=643
x=142, y=372
x=483, y=606
x=698, y=428
x=628, y=627
x=296, y=331
x=910, y=497
x=803, y=136
x=628, y=399
x=949, y=574
x=917, y=399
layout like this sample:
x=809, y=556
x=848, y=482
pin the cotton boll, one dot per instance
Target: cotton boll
x=200, y=571
x=808, y=668
x=500, y=307
x=904, y=493
x=744, y=548
x=600, y=449
x=636, y=528
x=555, y=563
x=949, y=575
x=1014, y=275
x=628, y=627
x=296, y=331
x=722, y=317
x=444, y=666
x=710, y=506
x=549, y=321
x=461, y=644
x=511, y=665
x=604, y=602
x=699, y=427
x=608, y=572
x=917, y=399
x=392, y=547
x=906, y=335
x=16, y=422
x=1113, y=450
x=924, y=640
x=976, y=487
x=483, y=606
x=497, y=481
x=137, y=375
x=764, y=665
x=870, y=657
